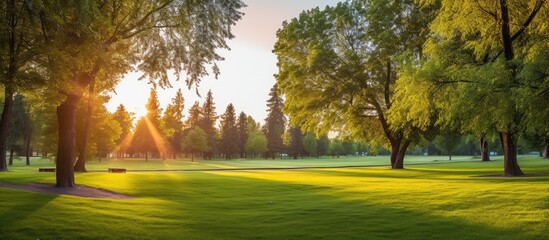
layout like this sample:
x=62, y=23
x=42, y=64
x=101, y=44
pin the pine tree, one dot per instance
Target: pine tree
x=125, y=121
x=172, y=123
x=242, y=133
x=207, y=123
x=142, y=138
x=153, y=108
x=153, y=125
x=229, y=132
x=147, y=137
x=274, y=123
x=194, y=116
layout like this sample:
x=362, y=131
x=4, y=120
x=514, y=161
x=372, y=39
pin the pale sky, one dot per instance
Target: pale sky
x=247, y=72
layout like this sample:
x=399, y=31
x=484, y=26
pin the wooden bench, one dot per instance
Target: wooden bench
x=48, y=169
x=117, y=170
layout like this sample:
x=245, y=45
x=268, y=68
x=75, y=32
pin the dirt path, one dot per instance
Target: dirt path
x=80, y=191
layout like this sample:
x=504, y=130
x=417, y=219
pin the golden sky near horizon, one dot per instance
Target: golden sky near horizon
x=248, y=69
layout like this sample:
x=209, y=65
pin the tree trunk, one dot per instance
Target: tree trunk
x=80, y=165
x=10, y=78
x=4, y=126
x=28, y=151
x=484, y=150
x=146, y=156
x=546, y=151
x=450, y=157
x=11, y=156
x=395, y=145
x=192, y=156
x=510, y=164
x=399, y=163
x=66, y=149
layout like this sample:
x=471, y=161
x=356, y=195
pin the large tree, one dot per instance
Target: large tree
x=155, y=37
x=275, y=122
x=338, y=66
x=80, y=165
x=229, y=133
x=488, y=60
x=21, y=45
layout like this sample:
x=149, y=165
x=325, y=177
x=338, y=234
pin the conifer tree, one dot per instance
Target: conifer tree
x=125, y=121
x=172, y=123
x=141, y=140
x=147, y=132
x=229, y=133
x=207, y=123
x=153, y=108
x=195, y=114
x=242, y=133
x=274, y=123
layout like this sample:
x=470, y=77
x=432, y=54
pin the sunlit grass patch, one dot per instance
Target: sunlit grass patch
x=441, y=201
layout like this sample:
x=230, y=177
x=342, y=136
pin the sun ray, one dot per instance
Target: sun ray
x=158, y=139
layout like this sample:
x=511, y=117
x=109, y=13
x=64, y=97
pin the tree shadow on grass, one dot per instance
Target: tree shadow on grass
x=18, y=205
x=434, y=174
x=238, y=207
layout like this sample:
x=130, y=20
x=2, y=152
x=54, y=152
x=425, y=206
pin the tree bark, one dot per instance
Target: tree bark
x=11, y=156
x=399, y=163
x=66, y=149
x=484, y=150
x=546, y=151
x=80, y=165
x=4, y=126
x=395, y=146
x=28, y=151
x=510, y=164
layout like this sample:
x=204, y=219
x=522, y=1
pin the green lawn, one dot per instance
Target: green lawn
x=438, y=201
x=184, y=164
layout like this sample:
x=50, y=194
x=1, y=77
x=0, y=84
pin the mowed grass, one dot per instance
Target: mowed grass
x=199, y=164
x=438, y=201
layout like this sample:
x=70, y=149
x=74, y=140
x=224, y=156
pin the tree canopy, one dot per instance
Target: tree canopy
x=338, y=66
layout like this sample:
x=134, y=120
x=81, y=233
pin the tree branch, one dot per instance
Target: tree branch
x=537, y=7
